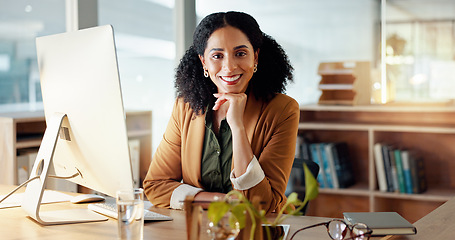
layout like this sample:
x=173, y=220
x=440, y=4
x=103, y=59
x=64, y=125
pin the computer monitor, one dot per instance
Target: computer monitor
x=86, y=131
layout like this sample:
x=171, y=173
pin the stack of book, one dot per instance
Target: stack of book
x=399, y=170
x=335, y=165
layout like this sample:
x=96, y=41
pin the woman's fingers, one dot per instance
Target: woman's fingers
x=237, y=102
x=218, y=103
x=232, y=98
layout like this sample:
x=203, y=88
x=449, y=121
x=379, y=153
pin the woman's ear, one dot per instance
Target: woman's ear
x=202, y=60
x=256, y=56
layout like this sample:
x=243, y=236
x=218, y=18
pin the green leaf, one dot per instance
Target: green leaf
x=311, y=184
x=239, y=211
x=293, y=198
x=217, y=210
x=233, y=222
x=289, y=209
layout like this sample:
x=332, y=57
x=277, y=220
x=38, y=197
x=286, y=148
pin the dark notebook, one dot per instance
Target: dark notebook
x=382, y=223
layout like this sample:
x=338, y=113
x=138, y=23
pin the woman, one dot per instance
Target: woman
x=231, y=126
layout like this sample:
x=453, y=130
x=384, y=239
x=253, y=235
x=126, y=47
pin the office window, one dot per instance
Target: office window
x=312, y=32
x=20, y=23
x=420, y=50
x=144, y=37
x=144, y=32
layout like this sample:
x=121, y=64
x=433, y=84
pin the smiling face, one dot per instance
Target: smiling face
x=229, y=58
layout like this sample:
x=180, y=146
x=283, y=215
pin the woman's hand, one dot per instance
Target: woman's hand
x=241, y=149
x=236, y=107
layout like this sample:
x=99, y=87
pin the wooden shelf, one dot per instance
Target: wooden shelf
x=139, y=133
x=29, y=143
x=430, y=131
x=359, y=189
x=384, y=128
x=21, y=131
x=441, y=195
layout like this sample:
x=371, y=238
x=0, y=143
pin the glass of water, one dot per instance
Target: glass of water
x=130, y=208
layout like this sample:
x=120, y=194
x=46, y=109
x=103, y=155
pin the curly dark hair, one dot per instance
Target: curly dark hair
x=274, y=69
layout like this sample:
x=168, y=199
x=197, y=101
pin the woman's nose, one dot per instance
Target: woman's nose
x=229, y=64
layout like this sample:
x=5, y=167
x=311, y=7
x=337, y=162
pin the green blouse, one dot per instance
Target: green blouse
x=216, y=156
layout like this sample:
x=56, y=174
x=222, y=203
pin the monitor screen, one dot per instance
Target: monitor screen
x=86, y=133
x=79, y=78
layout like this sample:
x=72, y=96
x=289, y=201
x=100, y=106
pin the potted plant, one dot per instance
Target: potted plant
x=229, y=215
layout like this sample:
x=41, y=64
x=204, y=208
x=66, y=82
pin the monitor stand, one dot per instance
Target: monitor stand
x=35, y=189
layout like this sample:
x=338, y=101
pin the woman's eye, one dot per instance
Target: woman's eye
x=217, y=56
x=241, y=54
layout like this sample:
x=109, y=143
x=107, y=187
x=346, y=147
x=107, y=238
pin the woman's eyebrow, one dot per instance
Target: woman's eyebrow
x=235, y=48
x=241, y=46
x=216, y=49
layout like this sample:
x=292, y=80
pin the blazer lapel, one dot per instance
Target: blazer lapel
x=193, y=151
x=250, y=117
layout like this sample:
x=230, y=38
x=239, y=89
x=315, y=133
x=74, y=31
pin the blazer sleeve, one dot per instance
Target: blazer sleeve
x=165, y=171
x=274, y=145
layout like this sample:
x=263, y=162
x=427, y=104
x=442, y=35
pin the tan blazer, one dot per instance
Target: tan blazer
x=271, y=129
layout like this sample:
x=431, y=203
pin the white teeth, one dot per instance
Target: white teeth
x=230, y=79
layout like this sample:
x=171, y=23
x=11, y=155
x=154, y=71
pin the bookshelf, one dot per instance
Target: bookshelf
x=430, y=131
x=23, y=132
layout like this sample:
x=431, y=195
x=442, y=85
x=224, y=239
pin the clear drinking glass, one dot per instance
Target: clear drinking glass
x=130, y=208
x=227, y=228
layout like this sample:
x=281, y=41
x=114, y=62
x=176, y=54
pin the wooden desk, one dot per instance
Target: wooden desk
x=14, y=224
x=439, y=224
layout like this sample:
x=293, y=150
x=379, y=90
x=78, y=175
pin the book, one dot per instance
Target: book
x=419, y=182
x=325, y=165
x=338, y=153
x=315, y=157
x=330, y=171
x=380, y=170
x=405, y=155
x=393, y=170
x=305, y=149
x=387, y=167
x=382, y=223
x=302, y=148
x=400, y=174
